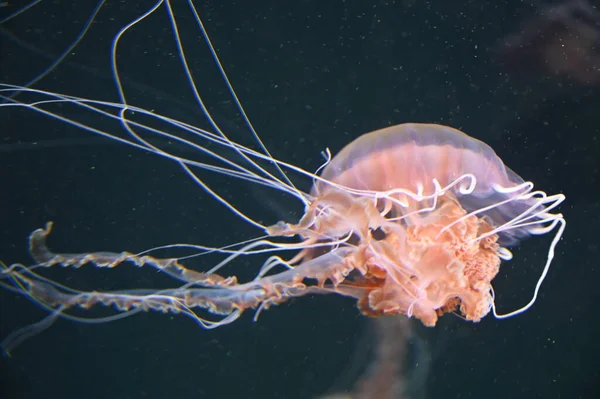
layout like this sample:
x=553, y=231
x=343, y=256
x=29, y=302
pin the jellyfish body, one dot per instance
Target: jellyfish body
x=442, y=205
x=413, y=219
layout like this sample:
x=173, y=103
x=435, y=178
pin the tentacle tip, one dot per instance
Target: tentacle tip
x=49, y=225
x=43, y=232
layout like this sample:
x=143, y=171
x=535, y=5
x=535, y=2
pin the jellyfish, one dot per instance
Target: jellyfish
x=410, y=220
x=386, y=375
x=561, y=39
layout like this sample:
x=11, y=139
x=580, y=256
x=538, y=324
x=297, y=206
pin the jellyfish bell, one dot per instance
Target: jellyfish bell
x=431, y=211
x=413, y=158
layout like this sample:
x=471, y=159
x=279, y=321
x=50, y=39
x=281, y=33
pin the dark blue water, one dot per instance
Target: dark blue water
x=311, y=75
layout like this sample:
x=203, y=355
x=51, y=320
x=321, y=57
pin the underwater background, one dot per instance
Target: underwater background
x=311, y=74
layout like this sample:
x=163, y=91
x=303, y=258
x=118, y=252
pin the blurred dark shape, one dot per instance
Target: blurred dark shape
x=559, y=39
x=393, y=372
